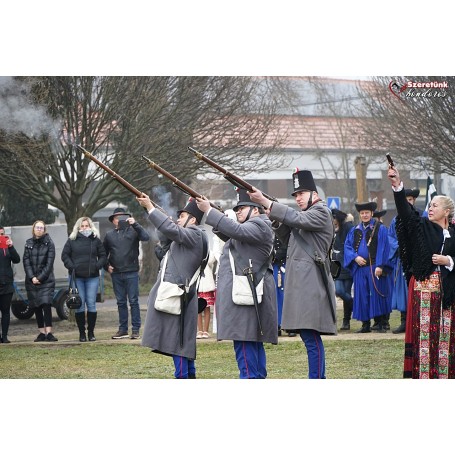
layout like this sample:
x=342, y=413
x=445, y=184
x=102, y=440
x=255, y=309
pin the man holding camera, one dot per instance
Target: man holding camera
x=122, y=248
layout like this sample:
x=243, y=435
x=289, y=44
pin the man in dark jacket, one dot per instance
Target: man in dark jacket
x=122, y=248
x=343, y=284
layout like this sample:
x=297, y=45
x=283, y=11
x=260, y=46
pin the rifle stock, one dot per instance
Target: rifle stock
x=176, y=182
x=229, y=176
x=117, y=177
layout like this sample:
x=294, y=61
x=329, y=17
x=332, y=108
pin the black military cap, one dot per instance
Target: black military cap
x=192, y=208
x=303, y=181
x=244, y=199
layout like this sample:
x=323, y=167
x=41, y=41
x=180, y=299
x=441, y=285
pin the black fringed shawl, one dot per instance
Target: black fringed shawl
x=418, y=240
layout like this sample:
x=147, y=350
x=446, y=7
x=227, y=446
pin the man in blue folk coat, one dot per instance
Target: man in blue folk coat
x=366, y=252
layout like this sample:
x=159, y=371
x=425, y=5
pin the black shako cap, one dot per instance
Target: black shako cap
x=303, y=181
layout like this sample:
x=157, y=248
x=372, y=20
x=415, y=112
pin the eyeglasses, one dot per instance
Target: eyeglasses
x=39, y=228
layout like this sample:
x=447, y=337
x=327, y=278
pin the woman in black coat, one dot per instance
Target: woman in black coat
x=39, y=256
x=85, y=254
x=8, y=255
x=427, y=251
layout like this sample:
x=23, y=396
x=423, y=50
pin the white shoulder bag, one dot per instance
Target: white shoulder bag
x=241, y=290
x=168, y=294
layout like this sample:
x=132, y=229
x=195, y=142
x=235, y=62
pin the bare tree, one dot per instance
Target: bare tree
x=337, y=146
x=119, y=119
x=416, y=123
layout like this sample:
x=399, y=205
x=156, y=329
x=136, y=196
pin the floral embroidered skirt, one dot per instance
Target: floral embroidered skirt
x=209, y=296
x=430, y=332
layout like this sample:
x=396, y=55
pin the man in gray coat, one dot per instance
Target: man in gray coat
x=173, y=334
x=249, y=243
x=309, y=297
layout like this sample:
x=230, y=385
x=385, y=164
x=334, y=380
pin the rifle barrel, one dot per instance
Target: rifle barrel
x=117, y=177
x=229, y=176
x=178, y=183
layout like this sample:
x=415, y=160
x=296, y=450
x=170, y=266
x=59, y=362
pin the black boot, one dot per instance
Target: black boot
x=366, y=327
x=91, y=321
x=386, y=322
x=80, y=321
x=5, y=326
x=402, y=327
x=377, y=322
x=382, y=321
x=347, y=311
x=346, y=324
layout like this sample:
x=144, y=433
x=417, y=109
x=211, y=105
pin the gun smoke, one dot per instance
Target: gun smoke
x=18, y=114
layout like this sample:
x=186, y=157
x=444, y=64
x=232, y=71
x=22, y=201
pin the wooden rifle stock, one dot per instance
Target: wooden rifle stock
x=229, y=176
x=117, y=177
x=176, y=182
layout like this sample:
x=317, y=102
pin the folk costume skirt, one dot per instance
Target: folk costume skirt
x=430, y=332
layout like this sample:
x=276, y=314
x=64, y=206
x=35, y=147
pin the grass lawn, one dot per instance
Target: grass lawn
x=118, y=359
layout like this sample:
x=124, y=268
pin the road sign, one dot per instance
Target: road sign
x=333, y=202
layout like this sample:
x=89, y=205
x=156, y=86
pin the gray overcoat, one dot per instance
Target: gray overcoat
x=253, y=239
x=306, y=303
x=161, y=330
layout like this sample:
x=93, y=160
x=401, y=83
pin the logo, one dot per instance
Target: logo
x=411, y=89
x=397, y=89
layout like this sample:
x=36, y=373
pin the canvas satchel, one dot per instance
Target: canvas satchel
x=241, y=290
x=168, y=296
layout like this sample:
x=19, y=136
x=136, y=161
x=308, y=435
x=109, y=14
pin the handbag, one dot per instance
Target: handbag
x=335, y=268
x=73, y=300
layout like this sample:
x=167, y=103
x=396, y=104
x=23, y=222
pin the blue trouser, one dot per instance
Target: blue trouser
x=279, y=291
x=315, y=352
x=184, y=367
x=87, y=288
x=250, y=356
x=126, y=286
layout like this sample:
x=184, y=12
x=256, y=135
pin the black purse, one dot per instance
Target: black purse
x=335, y=268
x=73, y=300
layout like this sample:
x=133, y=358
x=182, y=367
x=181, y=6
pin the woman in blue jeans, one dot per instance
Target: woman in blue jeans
x=85, y=254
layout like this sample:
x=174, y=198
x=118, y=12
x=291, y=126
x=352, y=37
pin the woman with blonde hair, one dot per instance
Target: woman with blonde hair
x=427, y=250
x=84, y=254
x=38, y=260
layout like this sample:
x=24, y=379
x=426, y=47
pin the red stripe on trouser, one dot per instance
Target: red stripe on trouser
x=246, y=361
x=319, y=354
x=181, y=367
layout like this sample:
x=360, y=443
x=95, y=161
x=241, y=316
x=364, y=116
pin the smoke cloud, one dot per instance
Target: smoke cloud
x=18, y=114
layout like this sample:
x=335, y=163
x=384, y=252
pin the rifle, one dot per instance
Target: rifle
x=176, y=182
x=117, y=177
x=229, y=176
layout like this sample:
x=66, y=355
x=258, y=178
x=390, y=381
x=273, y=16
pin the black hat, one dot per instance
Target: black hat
x=414, y=192
x=366, y=206
x=244, y=199
x=379, y=214
x=303, y=181
x=339, y=215
x=118, y=211
x=192, y=208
